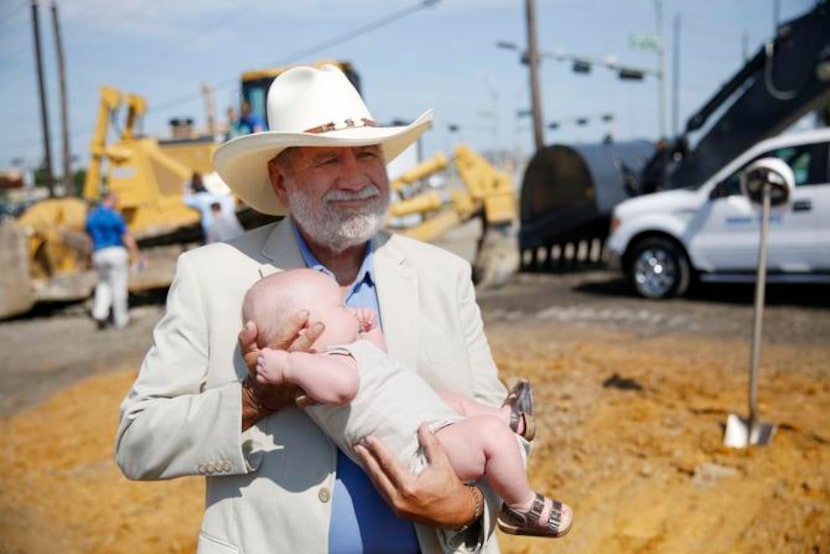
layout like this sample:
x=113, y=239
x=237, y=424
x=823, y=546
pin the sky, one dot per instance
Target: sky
x=411, y=56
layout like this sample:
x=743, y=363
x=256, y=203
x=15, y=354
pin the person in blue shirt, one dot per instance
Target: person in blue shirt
x=111, y=244
x=248, y=121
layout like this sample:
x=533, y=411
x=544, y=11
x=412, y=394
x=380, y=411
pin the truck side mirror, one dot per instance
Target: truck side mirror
x=728, y=187
x=719, y=191
x=768, y=172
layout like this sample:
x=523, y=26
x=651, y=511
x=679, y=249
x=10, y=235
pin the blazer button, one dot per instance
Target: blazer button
x=226, y=466
x=202, y=469
x=209, y=467
x=324, y=495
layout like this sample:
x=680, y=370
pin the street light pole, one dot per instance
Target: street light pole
x=533, y=66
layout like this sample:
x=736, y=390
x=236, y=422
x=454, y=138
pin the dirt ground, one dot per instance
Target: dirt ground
x=632, y=398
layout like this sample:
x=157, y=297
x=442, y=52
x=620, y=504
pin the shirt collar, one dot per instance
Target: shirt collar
x=364, y=275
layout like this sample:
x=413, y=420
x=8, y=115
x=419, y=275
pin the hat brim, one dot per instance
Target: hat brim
x=214, y=184
x=242, y=162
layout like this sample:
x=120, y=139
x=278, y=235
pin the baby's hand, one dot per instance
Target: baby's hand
x=367, y=318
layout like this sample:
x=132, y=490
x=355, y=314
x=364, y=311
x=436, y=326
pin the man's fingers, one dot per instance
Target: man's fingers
x=378, y=465
x=247, y=337
x=433, y=450
x=303, y=400
x=304, y=342
x=248, y=346
x=287, y=333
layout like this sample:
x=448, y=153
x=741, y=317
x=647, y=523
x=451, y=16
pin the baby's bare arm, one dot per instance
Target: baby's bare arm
x=325, y=378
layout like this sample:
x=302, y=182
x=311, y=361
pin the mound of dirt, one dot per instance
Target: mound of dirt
x=629, y=433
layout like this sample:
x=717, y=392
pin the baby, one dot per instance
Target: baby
x=361, y=391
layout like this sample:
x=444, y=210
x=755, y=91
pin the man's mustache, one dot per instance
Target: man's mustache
x=336, y=195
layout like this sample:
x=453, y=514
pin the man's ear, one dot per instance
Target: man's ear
x=277, y=178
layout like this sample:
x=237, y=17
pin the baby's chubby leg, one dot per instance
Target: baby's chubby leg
x=484, y=445
x=466, y=406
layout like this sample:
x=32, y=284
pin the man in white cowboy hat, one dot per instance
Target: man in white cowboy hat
x=275, y=483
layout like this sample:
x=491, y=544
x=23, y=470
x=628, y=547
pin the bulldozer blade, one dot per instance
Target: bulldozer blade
x=497, y=258
x=741, y=432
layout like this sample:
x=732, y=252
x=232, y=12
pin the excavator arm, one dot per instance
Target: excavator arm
x=486, y=194
x=787, y=78
x=110, y=102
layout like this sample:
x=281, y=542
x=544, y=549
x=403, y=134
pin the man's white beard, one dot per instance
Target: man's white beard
x=339, y=229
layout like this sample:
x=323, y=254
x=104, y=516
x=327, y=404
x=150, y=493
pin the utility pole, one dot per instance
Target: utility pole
x=533, y=65
x=44, y=117
x=207, y=93
x=675, y=75
x=67, y=164
x=661, y=71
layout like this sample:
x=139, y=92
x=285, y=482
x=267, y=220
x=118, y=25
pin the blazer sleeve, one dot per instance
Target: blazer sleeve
x=171, y=424
x=486, y=385
x=488, y=388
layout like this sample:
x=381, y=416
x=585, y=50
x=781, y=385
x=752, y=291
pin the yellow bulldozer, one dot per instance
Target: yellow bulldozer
x=46, y=248
x=45, y=254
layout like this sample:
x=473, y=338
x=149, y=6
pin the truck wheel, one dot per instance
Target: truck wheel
x=658, y=268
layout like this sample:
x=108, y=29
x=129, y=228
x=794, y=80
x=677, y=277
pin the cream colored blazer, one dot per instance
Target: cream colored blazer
x=269, y=488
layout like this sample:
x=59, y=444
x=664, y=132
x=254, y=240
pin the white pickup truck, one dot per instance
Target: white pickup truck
x=664, y=241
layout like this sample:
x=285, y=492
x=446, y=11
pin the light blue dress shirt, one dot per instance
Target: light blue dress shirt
x=361, y=521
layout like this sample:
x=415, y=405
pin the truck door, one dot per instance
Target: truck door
x=812, y=202
x=726, y=233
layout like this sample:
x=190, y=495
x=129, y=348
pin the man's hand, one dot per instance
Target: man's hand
x=435, y=497
x=259, y=400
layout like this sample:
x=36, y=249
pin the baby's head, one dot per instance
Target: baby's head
x=272, y=300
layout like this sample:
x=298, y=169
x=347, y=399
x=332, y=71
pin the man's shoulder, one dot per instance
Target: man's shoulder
x=247, y=246
x=419, y=250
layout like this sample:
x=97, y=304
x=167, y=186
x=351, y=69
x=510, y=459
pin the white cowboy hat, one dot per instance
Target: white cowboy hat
x=306, y=107
x=214, y=184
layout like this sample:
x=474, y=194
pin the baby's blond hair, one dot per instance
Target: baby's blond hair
x=268, y=304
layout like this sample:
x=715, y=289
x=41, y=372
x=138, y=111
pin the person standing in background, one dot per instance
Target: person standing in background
x=112, y=245
x=196, y=196
x=248, y=122
x=224, y=226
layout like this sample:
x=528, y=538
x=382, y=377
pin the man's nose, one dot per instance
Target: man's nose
x=352, y=177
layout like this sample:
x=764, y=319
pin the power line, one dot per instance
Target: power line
x=300, y=54
x=350, y=35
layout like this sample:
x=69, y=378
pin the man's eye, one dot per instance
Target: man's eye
x=369, y=154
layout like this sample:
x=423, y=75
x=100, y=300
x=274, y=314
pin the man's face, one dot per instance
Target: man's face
x=337, y=196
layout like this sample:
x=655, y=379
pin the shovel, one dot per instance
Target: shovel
x=769, y=181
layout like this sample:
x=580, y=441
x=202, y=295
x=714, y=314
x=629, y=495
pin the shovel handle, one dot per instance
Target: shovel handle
x=760, y=286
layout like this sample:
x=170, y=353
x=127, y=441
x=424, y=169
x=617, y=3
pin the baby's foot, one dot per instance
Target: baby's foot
x=519, y=402
x=269, y=367
x=545, y=518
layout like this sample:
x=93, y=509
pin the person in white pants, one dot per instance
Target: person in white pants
x=112, y=244
x=113, y=266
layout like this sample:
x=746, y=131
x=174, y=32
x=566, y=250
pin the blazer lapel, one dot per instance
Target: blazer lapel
x=397, y=288
x=281, y=249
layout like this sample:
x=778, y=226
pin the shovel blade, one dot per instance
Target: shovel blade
x=741, y=432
